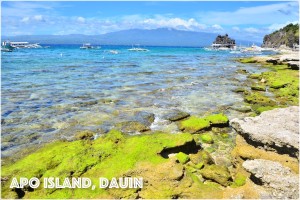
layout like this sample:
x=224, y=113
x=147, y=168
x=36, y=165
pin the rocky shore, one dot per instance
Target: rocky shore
x=211, y=157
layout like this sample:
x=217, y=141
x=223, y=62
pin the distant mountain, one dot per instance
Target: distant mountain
x=154, y=37
x=287, y=35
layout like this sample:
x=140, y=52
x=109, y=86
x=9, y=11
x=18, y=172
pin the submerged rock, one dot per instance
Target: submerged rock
x=132, y=127
x=281, y=182
x=145, y=118
x=277, y=129
x=175, y=115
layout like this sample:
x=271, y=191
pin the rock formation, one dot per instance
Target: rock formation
x=288, y=36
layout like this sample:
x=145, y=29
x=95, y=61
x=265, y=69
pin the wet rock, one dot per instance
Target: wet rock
x=258, y=87
x=84, y=135
x=144, y=117
x=217, y=173
x=201, y=157
x=274, y=177
x=243, y=109
x=132, y=127
x=242, y=71
x=175, y=115
x=274, y=61
x=293, y=65
x=239, y=90
x=277, y=129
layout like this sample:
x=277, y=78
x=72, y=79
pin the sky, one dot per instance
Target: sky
x=241, y=19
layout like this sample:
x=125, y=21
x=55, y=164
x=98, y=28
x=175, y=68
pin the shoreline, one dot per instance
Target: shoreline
x=190, y=155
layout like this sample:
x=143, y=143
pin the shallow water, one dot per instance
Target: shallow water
x=50, y=93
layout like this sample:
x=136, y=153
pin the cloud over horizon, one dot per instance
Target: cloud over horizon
x=23, y=17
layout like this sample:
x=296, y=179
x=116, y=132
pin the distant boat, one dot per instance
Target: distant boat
x=23, y=45
x=137, y=48
x=113, y=52
x=88, y=46
x=6, y=46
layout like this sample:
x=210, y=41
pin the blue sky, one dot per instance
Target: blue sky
x=246, y=20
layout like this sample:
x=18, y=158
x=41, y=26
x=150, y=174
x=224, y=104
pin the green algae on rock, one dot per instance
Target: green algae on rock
x=206, y=138
x=194, y=124
x=218, y=120
x=217, y=173
x=182, y=158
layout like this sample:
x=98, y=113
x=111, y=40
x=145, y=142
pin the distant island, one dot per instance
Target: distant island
x=153, y=37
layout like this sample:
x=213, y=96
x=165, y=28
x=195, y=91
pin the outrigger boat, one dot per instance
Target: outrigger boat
x=88, y=46
x=137, y=48
x=6, y=46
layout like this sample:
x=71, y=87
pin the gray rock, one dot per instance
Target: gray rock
x=293, y=65
x=277, y=179
x=175, y=115
x=277, y=129
x=144, y=117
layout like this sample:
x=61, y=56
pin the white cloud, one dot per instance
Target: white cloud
x=276, y=26
x=251, y=30
x=217, y=27
x=236, y=29
x=258, y=15
x=81, y=19
x=38, y=18
x=25, y=19
x=179, y=23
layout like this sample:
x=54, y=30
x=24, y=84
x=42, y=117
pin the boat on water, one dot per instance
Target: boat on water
x=137, y=48
x=113, y=52
x=6, y=46
x=88, y=46
x=27, y=45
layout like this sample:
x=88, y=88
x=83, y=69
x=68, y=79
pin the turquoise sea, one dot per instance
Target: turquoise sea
x=50, y=93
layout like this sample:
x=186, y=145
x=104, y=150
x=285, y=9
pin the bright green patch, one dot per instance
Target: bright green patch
x=239, y=180
x=259, y=109
x=182, y=158
x=218, y=119
x=109, y=156
x=194, y=124
x=206, y=138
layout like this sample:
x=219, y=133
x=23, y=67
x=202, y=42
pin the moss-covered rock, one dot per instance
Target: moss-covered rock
x=258, y=98
x=182, y=158
x=255, y=76
x=258, y=87
x=194, y=124
x=239, y=180
x=109, y=156
x=201, y=157
x=247, y=60
x=239, y=90
x=206, y=138
x=218, y=120
x=217, y=173
x=84, y=135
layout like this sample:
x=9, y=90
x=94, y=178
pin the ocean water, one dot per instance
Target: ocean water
x=51, y=93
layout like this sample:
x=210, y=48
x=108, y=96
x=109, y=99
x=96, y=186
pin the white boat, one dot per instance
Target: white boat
x=113, y=52
x=26, y=45
x=88, y=46
x=137, y=48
